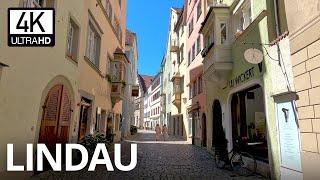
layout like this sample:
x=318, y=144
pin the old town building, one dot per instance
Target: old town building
x=152, y=108
x=61, y=94
x=130, y=79
x=303, y=19
x=195, y=14
x=102, y=67
x=247, y=95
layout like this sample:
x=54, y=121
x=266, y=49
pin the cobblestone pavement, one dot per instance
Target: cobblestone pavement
x=158, y=160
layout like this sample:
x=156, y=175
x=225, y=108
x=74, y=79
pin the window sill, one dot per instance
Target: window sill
x=71, y=58
x=93, y=66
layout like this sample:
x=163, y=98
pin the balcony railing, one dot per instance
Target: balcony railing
x=174, y=45
x=117, y=92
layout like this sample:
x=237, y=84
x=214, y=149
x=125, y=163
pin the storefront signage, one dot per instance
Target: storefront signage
x=289, y=141
x=248, y=74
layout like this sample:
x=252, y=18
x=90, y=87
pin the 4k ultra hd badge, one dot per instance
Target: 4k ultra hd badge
x=28, y=27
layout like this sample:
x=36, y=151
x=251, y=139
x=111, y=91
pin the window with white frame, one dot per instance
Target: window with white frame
x=72, y=40
x=108, y=9
x=93, y=45
x=246, y=10
x=223, y=33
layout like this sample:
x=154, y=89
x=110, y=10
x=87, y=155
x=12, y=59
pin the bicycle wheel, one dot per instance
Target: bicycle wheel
x=219, y=161
x=244, y=164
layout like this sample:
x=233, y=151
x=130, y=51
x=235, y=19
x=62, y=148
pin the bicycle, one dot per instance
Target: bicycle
x=243, y=163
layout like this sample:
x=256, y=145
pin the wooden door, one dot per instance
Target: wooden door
x=84, y=114
x=56, y=117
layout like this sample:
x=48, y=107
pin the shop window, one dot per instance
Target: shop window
x=72, y=40
x=249, y=123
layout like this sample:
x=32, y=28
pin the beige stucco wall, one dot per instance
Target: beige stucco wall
x=24, y=85
x=92, y=78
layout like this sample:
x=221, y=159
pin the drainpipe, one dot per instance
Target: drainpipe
x=275, y=2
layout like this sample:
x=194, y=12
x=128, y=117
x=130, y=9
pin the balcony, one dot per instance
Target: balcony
x=177, y=91
x=174, y=45
x=218, y=64
x=117, y=77
x=217, y=61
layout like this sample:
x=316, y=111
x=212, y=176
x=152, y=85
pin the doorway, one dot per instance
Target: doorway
x=55, y=122
x=85, y=111
x=204, y=130
x=56, y=117
x=249, y=122
x=218, y=135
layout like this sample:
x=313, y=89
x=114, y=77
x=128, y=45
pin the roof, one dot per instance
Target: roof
x=177, y=9
x=130, y=37
x=145, y=81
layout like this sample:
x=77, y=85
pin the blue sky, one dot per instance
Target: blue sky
x=149, y=19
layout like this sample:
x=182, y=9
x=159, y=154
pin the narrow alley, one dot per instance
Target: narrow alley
x=174, y=159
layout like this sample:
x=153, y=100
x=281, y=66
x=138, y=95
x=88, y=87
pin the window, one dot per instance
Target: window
x=180, y=55
x=189, y=57
x=223, y=33
x=190, y=26
x=190, y=91
x=182, y=84
x=119, y=3
x=108, y=9
x=246, y=15
x=72, y=40
x=194, y=93
x=93, y=45
x=117, y=28
x=190, y=124
x=193, y=51
x=199, y=84
x=198, y=45
x=199, y=10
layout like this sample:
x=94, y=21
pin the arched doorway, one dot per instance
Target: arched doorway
x=204, y=130
x=56, y=117
x=218, y=134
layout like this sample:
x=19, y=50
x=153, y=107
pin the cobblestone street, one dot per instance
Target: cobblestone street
x=157, y=160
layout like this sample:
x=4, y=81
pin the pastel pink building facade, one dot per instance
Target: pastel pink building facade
x=197, y=97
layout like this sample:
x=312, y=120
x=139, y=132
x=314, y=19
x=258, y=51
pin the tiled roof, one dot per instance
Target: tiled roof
x=145, y=81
